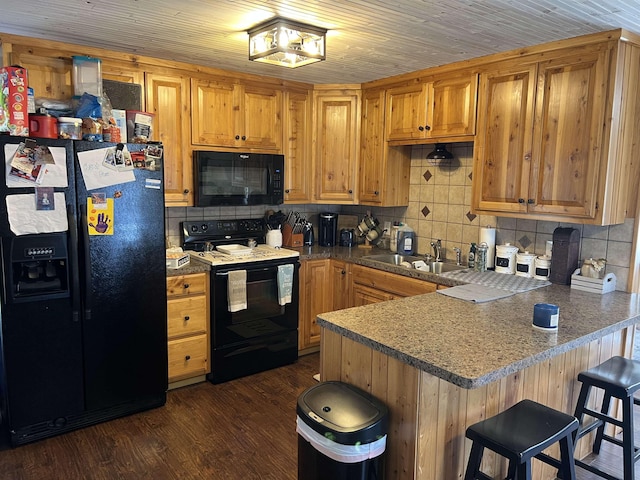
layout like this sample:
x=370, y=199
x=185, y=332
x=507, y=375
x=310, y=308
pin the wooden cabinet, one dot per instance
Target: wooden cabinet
x=340, y=285
x=336, y=128
x=546, y=147
x=188, y=327
x=383, y=170
x=372, y=286
x=298, y=175
x=229, y=114
x=442, y=107
x=168, y=98
x=315, y=298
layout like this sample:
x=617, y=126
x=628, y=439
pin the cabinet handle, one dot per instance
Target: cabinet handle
x=187, y=318
x=530, y=201
x=427, y=128
x=521, y=200
x=286, y=191
x=350, y=191
x=421, y=128
x=244, y=137
x=188, y=357
x=186, y=285
x=376, y=192
x=343, y=272
x=237, y=137
x=185, y=191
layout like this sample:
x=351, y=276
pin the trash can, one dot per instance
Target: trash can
x=342, y=433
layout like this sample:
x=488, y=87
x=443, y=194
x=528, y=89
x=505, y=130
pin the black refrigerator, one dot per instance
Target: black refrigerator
x=83, y=290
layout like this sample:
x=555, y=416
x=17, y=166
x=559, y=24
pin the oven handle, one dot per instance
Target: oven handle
x=224, y=274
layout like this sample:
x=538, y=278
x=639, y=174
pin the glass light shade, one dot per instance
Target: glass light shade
x=286, y=43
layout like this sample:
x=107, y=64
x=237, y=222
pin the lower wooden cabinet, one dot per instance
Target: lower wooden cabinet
x=315, y=298
x=188, y=328
x=372, y=286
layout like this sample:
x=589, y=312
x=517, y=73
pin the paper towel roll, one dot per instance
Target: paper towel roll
x=488, y=235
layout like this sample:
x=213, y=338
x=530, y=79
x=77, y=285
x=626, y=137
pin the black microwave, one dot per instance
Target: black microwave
x=229, y=178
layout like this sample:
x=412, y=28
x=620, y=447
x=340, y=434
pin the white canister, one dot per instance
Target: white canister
x=525, y=264
x=542, y=267
x=274, y=238
x=506, y=258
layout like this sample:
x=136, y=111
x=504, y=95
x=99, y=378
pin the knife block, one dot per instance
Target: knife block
x=290, y=239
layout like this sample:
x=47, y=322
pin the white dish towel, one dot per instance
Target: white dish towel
x=237, y=290
x=285, y=283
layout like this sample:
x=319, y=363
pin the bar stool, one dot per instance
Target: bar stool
x=619, y=378
x=521, y=433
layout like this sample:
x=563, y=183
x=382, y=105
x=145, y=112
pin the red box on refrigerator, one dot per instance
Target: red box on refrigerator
x=14, y=116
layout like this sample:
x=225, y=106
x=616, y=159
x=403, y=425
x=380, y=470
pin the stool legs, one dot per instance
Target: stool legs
x=606, y=402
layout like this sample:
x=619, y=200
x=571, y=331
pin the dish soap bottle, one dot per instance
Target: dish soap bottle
x=406, y=240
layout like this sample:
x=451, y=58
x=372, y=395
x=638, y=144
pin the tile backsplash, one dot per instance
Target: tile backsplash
x=439, y=208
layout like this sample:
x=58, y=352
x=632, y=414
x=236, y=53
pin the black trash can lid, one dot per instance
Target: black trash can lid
x=343, y=413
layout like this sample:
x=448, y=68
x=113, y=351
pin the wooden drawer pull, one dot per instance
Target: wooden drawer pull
x=186, y=285
x=186, y=318
x=188, y=357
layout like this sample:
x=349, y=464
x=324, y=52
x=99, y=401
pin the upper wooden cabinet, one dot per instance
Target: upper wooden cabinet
x=442, y=108
x=337, y=140
x=383, y=170
x=550, y=136
x=229, y=114
x=168, y=98
x=298, y=173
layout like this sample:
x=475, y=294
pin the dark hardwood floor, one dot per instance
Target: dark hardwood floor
x=243, y=429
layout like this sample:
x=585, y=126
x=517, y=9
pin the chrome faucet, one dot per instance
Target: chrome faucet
x=458, y=255
x=437, y=247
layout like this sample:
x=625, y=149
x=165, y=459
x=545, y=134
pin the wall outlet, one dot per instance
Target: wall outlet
x=387, y=228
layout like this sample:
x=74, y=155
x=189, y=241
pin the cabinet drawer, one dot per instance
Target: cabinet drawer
x=398, y=285
x=186, y=284
x=186, y=316
x=188, y=357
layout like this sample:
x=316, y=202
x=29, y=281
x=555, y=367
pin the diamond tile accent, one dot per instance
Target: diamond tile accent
x=426, y=211
x=525, y=241
x=471, y=176
x=427, y=175
x=471, y=216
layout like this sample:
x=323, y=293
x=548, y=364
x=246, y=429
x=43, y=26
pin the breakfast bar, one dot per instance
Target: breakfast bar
x=442, y=364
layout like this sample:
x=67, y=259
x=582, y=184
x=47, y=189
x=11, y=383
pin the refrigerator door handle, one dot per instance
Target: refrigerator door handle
x=75, y=269
x=87, y=261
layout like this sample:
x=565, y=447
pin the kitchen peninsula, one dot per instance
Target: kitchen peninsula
x=441, y=364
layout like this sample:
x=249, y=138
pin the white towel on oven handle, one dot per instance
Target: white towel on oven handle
x=285, y=283
x=237, y=290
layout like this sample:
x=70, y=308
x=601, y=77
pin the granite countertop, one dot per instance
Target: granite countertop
x=473, y=344
x=194, y=266
x=359, y=256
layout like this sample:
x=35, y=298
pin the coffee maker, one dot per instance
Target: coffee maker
x=327, y=229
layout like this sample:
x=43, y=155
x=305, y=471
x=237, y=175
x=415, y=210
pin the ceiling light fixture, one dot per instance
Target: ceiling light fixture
x=286, y=43
x=440, y=155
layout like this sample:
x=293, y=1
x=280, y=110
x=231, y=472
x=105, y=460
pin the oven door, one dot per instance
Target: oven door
x=261, y=337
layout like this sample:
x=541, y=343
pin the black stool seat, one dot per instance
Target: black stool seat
x=521, y=433
x=619, y=378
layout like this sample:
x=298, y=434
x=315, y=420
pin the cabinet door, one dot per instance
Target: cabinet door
x=314, y=299
x=297, y=148
x=363, y=295
x=372, y=149
x=214, y=104
x=260, y=118
x=406, y=112
x=168, y=98
x=337, y=142
x=340, y=285
x=452, y=109
x=568, y=131
x=502, y=150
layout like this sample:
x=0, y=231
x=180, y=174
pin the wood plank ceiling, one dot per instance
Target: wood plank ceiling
x=368, y=39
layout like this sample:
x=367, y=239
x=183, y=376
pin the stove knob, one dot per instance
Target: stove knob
x=205, y=227
x=194, y=228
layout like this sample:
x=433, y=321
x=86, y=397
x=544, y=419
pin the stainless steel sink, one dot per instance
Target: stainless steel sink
x=406, y=261
x=394, y=258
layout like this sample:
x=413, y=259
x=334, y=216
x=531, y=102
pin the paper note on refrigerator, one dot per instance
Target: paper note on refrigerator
x=50, y=174
x=96, y=174
x=25, y=218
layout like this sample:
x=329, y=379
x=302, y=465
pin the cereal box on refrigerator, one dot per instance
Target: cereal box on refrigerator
x=14, y=116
